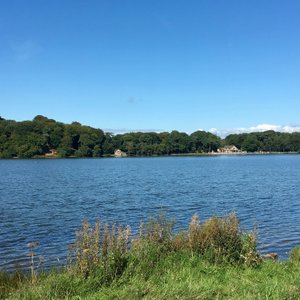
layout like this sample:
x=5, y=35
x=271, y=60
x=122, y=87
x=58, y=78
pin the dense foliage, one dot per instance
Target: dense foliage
x=268, y=141
x=35, y=138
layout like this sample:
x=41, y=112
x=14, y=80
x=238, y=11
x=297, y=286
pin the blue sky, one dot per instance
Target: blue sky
x=152, y=65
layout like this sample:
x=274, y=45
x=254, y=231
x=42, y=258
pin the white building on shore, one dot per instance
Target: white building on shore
x=230, y=149
x=119, y=153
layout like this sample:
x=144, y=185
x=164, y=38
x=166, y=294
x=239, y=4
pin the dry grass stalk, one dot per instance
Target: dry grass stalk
x=127, y=233
x=96, y=247
x=96, y=242
x=32, y=254
x=218, y=239
x=112, y=240
x=120, y=240
x=193, y=234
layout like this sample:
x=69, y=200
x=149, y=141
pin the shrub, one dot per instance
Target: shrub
x=102, y=253
x=154, y=242
x=294, y=255
x=101, y=248
x=107, y=251
x=219, y=240
x=11, y=281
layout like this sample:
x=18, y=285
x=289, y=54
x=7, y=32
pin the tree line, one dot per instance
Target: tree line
x=27, y=139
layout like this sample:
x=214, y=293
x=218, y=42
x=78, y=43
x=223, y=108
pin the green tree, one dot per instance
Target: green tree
x=203, y=141
x=251, y=143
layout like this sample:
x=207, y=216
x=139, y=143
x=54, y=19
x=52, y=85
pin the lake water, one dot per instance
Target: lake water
x=46, y=200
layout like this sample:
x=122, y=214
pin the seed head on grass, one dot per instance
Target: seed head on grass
x=112, y=239
x=127, y=233
x=105, y=242
x=217, y=240
x=193, y=233
x=32, y=254
x=96, y=243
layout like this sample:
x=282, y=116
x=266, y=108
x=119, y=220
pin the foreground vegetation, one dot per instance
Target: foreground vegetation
x=210, y=260
x=35, y=138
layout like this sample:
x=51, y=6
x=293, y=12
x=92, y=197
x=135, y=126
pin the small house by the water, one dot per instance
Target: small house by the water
x=229, y=149
x=51, y=153
x=119, y=153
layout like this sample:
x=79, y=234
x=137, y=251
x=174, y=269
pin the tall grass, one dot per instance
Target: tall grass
x=221, y=240
x=295, y=255
x=100, y=249
x=11, y=281
x=108, y=249
x=104, y=257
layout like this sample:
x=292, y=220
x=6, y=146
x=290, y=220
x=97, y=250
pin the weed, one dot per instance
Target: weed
x=99, y=250
x=32, y=254
x=295, y=255
x=104, y=254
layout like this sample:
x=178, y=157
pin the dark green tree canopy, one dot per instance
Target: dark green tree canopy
x=205, y=141
x=43, y=135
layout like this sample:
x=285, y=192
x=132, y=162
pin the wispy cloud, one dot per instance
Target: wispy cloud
x=127, y=130
x=26, y=50
x=133, y=100
x=257, y=128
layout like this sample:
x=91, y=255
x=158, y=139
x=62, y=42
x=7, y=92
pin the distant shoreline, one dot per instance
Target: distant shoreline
x=165, y=155
x=42, y=137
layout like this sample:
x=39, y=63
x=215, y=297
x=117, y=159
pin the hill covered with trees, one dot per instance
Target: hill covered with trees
x=27, y=139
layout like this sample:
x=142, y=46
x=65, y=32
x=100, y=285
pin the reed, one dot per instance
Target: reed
x=103, y=253
x=98, y=247
x=33, y=267
x=217, y=240
x=294, y=255
x=222, y=240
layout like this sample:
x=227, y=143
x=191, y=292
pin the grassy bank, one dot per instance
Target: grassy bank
x=210, y=260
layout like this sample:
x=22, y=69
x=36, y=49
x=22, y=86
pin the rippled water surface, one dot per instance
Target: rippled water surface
x=46, y=200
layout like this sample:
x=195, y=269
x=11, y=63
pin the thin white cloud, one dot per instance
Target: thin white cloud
x=126, y=130
x=257, y=128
